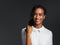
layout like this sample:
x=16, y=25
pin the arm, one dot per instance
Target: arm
x=28, y=32
x=28, y=39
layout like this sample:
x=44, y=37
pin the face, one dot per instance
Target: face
x=38, y=16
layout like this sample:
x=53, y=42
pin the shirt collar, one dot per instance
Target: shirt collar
x=39, y=30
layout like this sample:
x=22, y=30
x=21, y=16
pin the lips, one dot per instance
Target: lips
x=37, y=20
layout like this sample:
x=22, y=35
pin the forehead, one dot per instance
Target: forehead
x=39, y=10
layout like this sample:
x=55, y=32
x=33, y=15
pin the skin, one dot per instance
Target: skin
x=38, y=20
x=28, y=39
x=38, y=17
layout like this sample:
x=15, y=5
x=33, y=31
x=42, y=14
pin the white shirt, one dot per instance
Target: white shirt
x=41, y=36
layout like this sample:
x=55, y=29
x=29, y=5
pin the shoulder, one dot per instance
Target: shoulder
x=48, y=32
x=23, y=30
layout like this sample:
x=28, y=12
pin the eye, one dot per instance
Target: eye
x=40, y=14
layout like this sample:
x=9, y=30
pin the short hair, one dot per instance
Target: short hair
x=38, y=6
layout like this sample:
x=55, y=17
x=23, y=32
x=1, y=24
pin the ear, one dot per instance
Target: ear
x=44, y=16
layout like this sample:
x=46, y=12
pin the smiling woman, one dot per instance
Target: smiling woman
x=35, y=33
x=38, y=16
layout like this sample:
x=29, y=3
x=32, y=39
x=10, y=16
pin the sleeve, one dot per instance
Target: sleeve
x=50, y=39
x=23, y=36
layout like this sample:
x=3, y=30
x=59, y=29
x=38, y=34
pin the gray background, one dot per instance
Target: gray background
x=14, y=15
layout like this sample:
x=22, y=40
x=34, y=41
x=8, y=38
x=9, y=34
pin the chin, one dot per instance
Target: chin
x=37, y=23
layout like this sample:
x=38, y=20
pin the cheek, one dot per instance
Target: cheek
x=41, y=17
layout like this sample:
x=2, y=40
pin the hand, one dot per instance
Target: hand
x=29, y=29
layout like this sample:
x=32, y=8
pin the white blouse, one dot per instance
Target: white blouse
x=41, y=36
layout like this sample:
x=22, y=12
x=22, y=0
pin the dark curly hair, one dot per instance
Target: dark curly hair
x=31, y=22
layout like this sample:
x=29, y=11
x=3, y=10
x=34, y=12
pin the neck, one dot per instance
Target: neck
x=38, y=26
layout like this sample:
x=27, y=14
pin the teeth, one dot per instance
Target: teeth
x=37, y=20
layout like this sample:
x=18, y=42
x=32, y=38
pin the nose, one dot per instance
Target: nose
x=37, y=16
